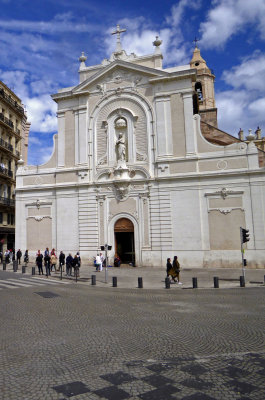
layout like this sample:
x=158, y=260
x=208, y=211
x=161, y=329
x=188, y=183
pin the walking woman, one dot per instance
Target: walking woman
x=176, y=269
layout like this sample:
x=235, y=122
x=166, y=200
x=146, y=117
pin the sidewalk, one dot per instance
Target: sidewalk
x=154, y=278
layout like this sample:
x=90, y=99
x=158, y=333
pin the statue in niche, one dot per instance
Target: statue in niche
x=121, y=148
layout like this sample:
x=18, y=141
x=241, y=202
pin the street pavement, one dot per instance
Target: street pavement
x=66, y=340
x=154, y=278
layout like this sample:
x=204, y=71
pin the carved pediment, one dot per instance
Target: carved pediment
x=119, y=73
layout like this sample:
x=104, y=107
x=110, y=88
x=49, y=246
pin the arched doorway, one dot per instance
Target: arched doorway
x=124, y=240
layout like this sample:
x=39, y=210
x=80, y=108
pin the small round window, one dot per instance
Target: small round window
x=197, y=63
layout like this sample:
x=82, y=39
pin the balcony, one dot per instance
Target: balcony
x=6, y=172
x=7, y=202
x=10, y=124
x=6, y=145
x=6, y=121
x=12, y=102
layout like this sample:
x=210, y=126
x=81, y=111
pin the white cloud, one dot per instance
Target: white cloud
x=42, y=113
x=60, y=23
x=250, y=74
x=141, y=33
x=244, y=105
x=228, y=17
x=236, y=109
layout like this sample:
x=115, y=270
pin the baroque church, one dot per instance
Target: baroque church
x=140, y=164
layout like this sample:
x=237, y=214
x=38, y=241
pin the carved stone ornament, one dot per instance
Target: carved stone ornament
x=121, y=190
x=39, y=218
x=101, y=199
x=222, y=164
x=82, y=174
x=225, y=210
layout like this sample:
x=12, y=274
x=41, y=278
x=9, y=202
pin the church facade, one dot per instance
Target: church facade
x=132, y=169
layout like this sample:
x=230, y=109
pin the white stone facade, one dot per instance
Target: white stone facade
x=183, y=195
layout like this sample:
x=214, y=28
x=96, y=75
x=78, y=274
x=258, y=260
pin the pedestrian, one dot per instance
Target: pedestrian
x=102, y=259
x=1, y=257
x=117, y=261
x=69, y=264
x=39, y=260
x=26, y=257
x=176, y=268
x=169, y=266
x=53, y=261
x=11, y=255
x=75, y=264
x=79, y=262
x=46, y=252
x=98, y=262
x=53, y=252
x=47, y=263
x=61, y=261
x=6, y=255
x=19, y=255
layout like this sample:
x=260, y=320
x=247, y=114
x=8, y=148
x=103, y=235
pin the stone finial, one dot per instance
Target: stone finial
x=157, y=42
x=258, y=133
x=82, y=60
x=241, y=134
x=20, y=161
x=250, y=136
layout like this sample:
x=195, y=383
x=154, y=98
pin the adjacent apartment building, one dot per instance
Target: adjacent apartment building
x=14, y=130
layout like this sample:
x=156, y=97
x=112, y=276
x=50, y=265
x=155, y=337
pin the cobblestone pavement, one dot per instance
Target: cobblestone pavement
x=80, y=341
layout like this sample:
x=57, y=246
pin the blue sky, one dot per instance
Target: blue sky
x=41, y=41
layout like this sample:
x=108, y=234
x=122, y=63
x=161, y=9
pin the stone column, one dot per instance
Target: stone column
x=81, y=136
x=191, y=140
x=163, y=127
x=61, y=139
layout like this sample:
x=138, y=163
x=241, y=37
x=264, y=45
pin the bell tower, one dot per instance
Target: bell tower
x=203, y=99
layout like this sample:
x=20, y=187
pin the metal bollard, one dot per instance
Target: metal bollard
x=93, y=280
x=167, y=283
x=33, y=270
x=140, y=283
x=114, y=281
x=14, y=266
x=23, y=269
x=216, y=282
x=4, y=267
x=242, y=281
x=264, y=279
x=194, y=283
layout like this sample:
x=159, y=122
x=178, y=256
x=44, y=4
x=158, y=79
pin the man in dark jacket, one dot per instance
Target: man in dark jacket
x=69, y=264
x=19, y=255
x=61, y=260
x=47, y=261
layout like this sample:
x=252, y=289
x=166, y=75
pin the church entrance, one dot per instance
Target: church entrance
x=124, y=240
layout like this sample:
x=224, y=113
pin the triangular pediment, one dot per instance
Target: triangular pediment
x=119, y=72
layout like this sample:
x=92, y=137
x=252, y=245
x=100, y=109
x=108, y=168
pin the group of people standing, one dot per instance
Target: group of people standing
x=173, y=269
x=50, y=262
x=11, y=255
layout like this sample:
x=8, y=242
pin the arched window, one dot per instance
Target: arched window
x=198, y=90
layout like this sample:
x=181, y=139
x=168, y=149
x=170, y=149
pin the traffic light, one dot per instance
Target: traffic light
x=245, y=235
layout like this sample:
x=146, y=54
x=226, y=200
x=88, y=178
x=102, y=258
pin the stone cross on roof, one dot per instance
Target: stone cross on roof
x=118, y=33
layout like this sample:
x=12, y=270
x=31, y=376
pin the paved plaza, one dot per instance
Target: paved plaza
x=68, y=340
